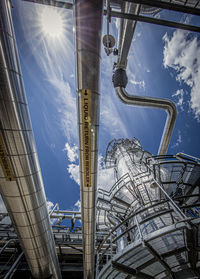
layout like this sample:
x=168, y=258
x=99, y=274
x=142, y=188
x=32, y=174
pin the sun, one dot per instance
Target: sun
x=52, y=23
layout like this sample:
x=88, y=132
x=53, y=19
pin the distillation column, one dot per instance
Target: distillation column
x=152, y=215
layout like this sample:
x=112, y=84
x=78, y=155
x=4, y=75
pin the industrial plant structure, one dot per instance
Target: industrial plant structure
x=147, y=224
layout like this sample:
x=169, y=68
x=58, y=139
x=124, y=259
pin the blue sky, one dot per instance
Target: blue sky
x=163, y=62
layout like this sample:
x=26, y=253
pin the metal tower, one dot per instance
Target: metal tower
x=151, y=215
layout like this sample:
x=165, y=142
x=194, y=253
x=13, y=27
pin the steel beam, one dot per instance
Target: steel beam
x=156, y=21
x=130, y=271
x=159, y=258
x=167, y=6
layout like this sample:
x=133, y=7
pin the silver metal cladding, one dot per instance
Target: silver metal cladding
x=88, y=22
x=21, y=183
x=157, y=103
x=126, y=32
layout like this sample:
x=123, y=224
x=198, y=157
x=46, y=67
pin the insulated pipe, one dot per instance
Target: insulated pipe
x=157, y=103
x=127, y=28
x=88, y=21
x=21, y=183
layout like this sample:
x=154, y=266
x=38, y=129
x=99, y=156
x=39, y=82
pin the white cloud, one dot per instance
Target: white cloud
x=72, y=152
x=65, y=103
x=182, y=53
x=73, y=170
x=105, y=176
x=78, y=205
x=50, y=206
x=55, y=63
x=110, y=118
x=141, y=83
x=179, y=97
x=178, y=140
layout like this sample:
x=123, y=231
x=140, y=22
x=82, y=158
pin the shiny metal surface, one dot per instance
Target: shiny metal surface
x=88, y=21
x=151, y=227
x=157, y=103
x=126, y=32
x=21, y=183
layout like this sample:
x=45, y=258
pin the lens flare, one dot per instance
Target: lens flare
x=52, y=23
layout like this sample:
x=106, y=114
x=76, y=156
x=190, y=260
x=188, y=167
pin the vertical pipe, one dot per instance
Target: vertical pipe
x=88, y=21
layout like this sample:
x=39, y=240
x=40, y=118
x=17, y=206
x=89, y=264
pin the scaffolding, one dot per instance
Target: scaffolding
x=151, y=215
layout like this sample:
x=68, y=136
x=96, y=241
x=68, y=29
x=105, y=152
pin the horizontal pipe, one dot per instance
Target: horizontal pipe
x=158, y=103
x=76, y=217
x=66, y=212
x=156, y=21
x=127, y=28
x=6, y=244
x=168, y=6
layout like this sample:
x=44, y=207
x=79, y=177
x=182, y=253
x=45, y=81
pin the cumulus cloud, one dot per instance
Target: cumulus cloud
x=179, y=97
x=72, y=152
x=105, y=176
x=73, y=170
x=182, y=53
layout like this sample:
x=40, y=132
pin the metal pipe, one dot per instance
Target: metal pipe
x=14, y=266
x=6, y=244
x=21, y=183
x=88, y=21
x=75, y=217
x=53, y=209
x=156, y=21
x=188, y=9
x=127, y=28
x=157, y=103
x=66, y=212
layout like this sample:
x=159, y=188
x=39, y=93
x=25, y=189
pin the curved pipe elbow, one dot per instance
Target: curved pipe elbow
x=157, y=103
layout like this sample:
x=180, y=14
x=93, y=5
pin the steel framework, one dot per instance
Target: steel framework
x=151, y=215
